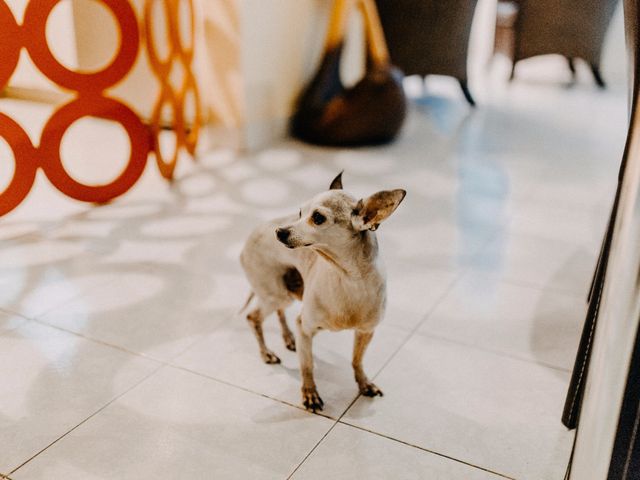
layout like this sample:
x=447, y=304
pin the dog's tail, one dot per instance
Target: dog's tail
x=246, y=304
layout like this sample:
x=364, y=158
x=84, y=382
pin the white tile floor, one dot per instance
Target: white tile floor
x=121, y=355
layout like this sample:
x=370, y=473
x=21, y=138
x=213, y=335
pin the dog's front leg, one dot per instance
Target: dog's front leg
x=367, y=388
x=310, y=398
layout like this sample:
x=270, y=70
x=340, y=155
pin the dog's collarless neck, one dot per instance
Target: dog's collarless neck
x=359, y=266
x=329, y=257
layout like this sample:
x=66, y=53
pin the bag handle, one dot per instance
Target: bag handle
x=337, y=24
x=375, y=42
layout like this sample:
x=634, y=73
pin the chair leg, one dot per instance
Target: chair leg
x=597, y=76
x=572, y=66
x=513, y=71
x=467, y=94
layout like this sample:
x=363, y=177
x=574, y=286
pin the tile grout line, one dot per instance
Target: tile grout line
x=153, y=372
x=522, y=283
x=374, y=376
x=412, y=332
x=533, y=286
x=168, y=363
x=161, y=365
x=498, y=353
x=6, y=330
x=62, y=304
x=97, y=341
x=244, y=389
x=410, y=335
x=11, y=312
x=433, y=452
x=80, y=295
x=312, y=450
x=463, y=272
x=84, y=336
x=323, y=437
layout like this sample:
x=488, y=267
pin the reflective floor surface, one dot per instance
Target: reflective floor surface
x=122, y=354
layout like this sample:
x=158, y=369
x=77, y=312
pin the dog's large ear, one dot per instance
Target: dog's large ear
x=371, y=211
x=337, y=182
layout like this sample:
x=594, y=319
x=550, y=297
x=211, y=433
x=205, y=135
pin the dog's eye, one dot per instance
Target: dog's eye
x=318, y=218
x=300, y=214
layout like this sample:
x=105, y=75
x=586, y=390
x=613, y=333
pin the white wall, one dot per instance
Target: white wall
x=282, y=43
x=281, y=40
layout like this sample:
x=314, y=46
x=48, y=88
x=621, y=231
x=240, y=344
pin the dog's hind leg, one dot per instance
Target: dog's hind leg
x=255, y=318
x=287, y=336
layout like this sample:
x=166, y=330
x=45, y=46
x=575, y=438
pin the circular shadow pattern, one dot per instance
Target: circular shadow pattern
x=277, y=160
x=265, y=191
x=184, y=226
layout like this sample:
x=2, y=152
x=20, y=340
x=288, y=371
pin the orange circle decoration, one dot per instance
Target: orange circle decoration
x=25, y=164
x=160, y=66
x=92, y=101
x=185, y=52
x=10, y=44
x=166, y=166
x=35, y=23
x=191, y=134
x=100, y=107
x=186, y=135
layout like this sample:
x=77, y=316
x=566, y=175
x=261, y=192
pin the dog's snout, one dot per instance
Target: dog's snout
x=283, y=234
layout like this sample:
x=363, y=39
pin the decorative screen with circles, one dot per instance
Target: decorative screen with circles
x=92, y=99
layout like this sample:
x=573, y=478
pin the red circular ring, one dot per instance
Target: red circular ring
x=100, y=107
x=159, y=66
x=35, y=23
x=166, y=95
x=25, y=161
x=10, y=44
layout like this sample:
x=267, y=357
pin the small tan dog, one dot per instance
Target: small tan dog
x=326, y=256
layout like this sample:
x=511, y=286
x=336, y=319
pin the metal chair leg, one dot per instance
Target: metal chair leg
x=597, y=76
x=467, y=94
x=572, y=66
x=513, y=71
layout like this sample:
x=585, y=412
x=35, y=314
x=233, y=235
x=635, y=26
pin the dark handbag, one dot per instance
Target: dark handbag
x=372, y=111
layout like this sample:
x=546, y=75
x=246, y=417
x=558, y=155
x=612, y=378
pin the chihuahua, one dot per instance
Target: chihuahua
x=327, y=257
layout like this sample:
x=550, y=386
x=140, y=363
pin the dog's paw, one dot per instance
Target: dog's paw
x=270, y=357
x=311, y=400
x=290, y=342
x=370, y=390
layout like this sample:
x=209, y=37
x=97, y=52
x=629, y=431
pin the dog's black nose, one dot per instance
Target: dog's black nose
x=283, y=234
